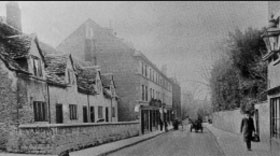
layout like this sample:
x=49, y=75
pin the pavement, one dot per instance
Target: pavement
x=105, y=148
x=233, y=145
x=108, y=148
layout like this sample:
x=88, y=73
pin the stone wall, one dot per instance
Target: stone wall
x=231, y=121
x=56, y=138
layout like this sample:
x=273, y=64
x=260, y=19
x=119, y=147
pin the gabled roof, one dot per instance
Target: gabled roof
x=56, y=63
x=106, y=80
x=17, y=46
x=10, y=63
x=7, y=30
x=13, y=45
x=86, y=79
x=56, y=68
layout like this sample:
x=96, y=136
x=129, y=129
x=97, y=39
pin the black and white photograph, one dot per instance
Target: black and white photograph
x=140, y=78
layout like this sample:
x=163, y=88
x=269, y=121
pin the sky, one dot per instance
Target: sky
x=181, y=35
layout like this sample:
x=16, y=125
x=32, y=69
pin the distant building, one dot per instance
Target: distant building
x=176, y=99
x=137, y=79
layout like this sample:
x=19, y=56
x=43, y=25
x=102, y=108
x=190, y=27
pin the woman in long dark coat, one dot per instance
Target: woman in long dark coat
x=247, y=128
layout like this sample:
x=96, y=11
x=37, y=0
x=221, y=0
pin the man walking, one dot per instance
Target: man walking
x=247, y=128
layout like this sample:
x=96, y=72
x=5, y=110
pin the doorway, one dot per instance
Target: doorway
x=85, y=114
x=107, y=114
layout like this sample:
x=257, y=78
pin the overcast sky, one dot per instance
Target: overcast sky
x=179, y=34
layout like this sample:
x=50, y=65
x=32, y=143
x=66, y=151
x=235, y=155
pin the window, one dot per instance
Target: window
x=113, y=112
x=73, y=112
x=143, y=70
x=275, y=117
x=153, y=75
x=40, y=111
x=146, y=71
x=146, y=88
x=92, y=117
x=71, y=77
x=151, y=93
x=143, y=92
x=98, y=86
x=37, y=67
x=150, y=74
x=100, y=112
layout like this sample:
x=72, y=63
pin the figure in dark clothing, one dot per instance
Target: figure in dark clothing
x=165, y=126
x=161, y=124
x=247, y=128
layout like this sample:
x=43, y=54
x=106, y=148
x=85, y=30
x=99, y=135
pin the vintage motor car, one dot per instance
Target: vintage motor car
x=196, y=125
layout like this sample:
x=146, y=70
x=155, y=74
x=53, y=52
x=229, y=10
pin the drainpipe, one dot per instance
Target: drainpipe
x=49, y=103
x=88, y=110
x=17, y=122
x=111, y=108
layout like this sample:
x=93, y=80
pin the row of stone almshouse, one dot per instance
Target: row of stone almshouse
x=38, y=87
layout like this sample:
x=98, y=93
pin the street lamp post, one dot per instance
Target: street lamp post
x=271, y=38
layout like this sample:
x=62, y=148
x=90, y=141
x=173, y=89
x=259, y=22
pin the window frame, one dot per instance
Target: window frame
x=275, y=117
x=100, y=112
x=37, y=66
x=40, y=111
x=73, y=112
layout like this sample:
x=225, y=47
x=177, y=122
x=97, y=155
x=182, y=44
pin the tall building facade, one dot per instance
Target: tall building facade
x=138, y=81
x=176, y=99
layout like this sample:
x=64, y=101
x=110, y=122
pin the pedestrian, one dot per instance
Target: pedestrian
x=165, y=126
x=247, y=128
x=161, y=124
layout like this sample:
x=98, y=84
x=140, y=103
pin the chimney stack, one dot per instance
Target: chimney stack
x=13, y=15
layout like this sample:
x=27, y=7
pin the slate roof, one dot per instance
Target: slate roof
x=17, y=46
x=56, y=67
x=106, y=80
x=9, y=62
x=86, y=78
x=13, y=45
x=7, y=30
x=56, y=63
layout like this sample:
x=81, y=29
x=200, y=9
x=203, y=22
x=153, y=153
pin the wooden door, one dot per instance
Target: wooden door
x=107, y=114
x=85, y=114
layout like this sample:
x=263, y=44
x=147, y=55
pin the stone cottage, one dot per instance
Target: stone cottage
x=23, y=86
x=40, y=91
x=77, y=94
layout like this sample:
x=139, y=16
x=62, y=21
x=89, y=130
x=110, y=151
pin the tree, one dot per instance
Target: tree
x=242, y=75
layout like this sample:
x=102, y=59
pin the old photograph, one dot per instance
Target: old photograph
x=140, y=78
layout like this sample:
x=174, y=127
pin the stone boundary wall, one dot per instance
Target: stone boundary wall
x=57, y=138
x=231, y=120
x=228, y=120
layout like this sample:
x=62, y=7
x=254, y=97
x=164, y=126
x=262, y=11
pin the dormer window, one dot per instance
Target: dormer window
x=36, y=66
x=98, y=86
x=112, y=90
x=71, y=77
